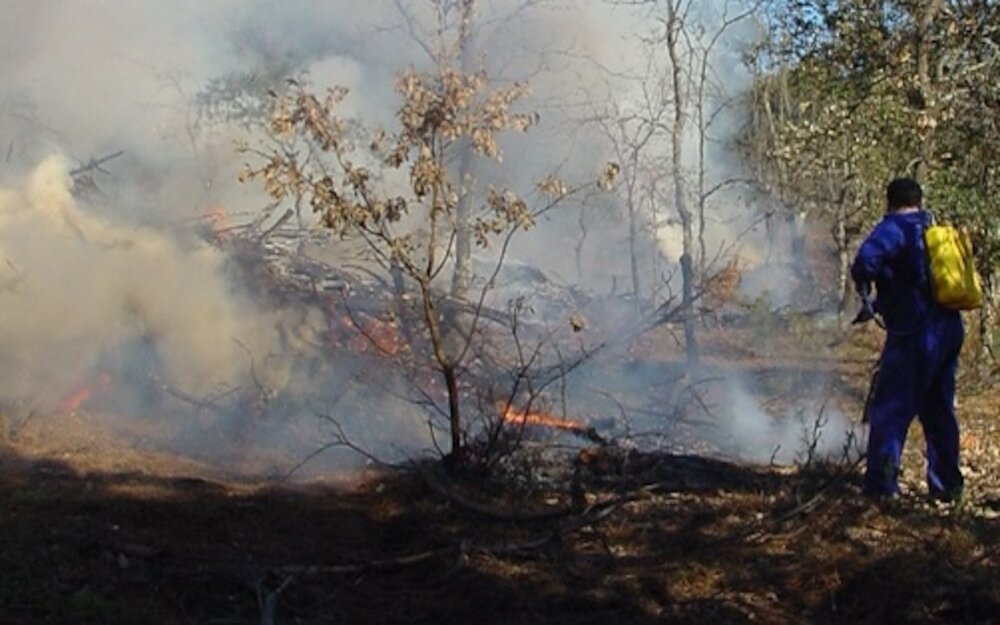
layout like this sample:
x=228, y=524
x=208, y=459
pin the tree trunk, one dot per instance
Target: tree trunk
x=799, y=247
x=446, y=366
x=922, y=45
x=578, y=249
x=454, y=413
x=702, y=259
x=463, y=230
x=843, y=264
x=466, y=168
x=633, y=241
x=674, y=26
x=690, y=341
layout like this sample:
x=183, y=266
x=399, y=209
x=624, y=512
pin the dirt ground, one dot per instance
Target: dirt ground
x=94, y=533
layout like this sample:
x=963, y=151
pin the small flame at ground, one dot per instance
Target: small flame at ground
x=512, y=416
x=80, y=396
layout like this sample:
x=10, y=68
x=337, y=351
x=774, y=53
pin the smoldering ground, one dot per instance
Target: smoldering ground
x=120, y=281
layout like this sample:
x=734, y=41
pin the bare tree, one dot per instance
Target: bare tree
x=632, y=122
x=711, y=101
x=673, y=96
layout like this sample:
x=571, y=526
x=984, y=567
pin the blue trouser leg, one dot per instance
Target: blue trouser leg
x=916, y=376
x=893, y=407
x=937, y=417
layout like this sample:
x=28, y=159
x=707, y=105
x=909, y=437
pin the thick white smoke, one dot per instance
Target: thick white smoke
x=78, y=287
x=84, y=281
x=785, y=438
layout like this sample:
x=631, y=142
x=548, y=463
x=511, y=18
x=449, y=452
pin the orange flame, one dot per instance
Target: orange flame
x=217, y=217
x=76, y=399
x=81, y=395
x=519, y=418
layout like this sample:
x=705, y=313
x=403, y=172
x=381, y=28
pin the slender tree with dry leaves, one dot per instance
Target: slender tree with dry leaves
x=394, y=192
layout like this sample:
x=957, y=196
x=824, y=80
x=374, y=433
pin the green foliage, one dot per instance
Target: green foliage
x=973, y=207
x=850, y=94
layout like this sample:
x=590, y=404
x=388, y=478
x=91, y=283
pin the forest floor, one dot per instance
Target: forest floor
x=91, y=532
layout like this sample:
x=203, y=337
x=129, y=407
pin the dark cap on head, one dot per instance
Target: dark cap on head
x=903, y=193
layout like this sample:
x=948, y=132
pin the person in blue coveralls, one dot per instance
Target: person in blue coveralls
x=920, y=356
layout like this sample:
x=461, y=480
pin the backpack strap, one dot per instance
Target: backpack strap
x=923, y=263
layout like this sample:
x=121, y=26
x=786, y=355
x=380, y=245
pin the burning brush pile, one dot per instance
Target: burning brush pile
x=83, y=292
x=359, y=316
x=254, y=348
x=241, y=340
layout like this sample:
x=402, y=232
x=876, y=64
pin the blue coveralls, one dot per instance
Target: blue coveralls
x=919, y=360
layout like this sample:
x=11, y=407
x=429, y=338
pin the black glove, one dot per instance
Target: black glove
x=865, y=314
x=867, y=311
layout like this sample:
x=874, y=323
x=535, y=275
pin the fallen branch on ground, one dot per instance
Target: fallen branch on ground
x=434, y=482
x=594, y=514
x=209, y=403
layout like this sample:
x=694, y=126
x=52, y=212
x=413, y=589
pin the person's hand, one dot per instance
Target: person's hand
x=867, y=311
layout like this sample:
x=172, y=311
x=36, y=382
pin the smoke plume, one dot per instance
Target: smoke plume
x=116, y=275
x=80, y=288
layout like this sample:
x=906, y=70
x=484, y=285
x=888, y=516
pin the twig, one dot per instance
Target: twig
x=95, y=164
x=818, y=496
x=267, y=601
x=485, y=510
x=340, y=439
x=990, y=553
x=264, y=392
x=364, y=567
x=277, y=224
x=15, y=428
x=201, y=404
x=592, y=515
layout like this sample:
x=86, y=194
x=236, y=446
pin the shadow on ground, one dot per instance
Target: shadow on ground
x=712, y=542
